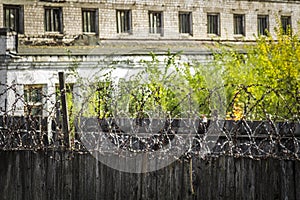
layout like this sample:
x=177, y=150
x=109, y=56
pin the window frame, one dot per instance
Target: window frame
x=31, y=103
x=211, y=29
x=90, y=21
x=53, y=23
x=157, y=26
x=286, y=26
x=262, y=27
x=124, y=24
x=19, y=21
x=239, y=26
x=185, y=20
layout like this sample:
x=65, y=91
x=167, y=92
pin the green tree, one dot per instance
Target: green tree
x=155, y=88
x=264, y=77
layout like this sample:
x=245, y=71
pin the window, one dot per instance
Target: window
x=263, y=24
x=89, y=21
x=53, y=20
x=13, y=18
x=155, y=22
x=103, y=99
x=239, y=24
x=185, y=22
x=213, y=23
x=124, y=21
x=286, y=24
x=33, y=96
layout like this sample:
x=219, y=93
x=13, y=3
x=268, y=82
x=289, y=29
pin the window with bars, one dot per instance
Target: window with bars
x=239, y=24
x=89, y=21
x=53, y=19
x=33, y=97
x=213, y=23
x=13, y=17
x=185, y=22
x=124, y=21
x=262, y=24
x=286, y=24
x=156, y=22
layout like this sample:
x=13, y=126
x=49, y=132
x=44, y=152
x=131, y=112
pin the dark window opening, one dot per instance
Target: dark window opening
x=13, y=18
x=263, y=24
x=89, y=21
x=185, y=22
x=239, y=24
x=53, y=20
x=124, y=21
x=155, y=22
x=286, y=24
x=213, y=24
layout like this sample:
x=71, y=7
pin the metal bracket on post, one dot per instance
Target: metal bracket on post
x=65, y=117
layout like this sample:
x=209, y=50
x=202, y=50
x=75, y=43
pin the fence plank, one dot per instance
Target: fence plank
x=229, y=182
x=221, y=177
x=287, y=180
x=297, y=179
x=205, y=174
x=76, y=175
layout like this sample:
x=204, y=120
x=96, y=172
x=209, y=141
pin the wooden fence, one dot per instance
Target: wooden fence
x=78, y=175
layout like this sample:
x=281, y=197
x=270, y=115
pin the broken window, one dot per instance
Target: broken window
x=13, y=18
x=124, y=21
x=155, y=22
x=53, y=19
x=185, y=22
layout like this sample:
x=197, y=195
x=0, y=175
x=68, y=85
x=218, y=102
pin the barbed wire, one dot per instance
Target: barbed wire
x=31, y=119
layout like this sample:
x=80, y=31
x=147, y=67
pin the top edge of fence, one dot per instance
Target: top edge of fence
x=184, y=157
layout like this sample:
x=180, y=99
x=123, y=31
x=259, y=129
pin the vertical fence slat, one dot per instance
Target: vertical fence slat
x=297, y=179
x=205, y=174
x=238, y=179
x=230, y=181
x=287, y=180
x=221, y=177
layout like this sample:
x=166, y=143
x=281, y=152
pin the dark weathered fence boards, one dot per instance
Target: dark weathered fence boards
x=77, y=175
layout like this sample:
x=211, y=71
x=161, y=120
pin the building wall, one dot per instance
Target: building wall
x=43, y=70
x=72, y=23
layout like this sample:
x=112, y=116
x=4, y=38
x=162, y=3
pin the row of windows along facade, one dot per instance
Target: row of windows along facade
x=53, y=21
